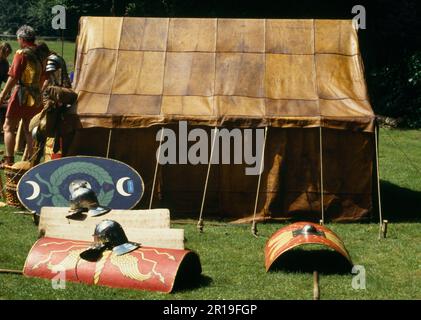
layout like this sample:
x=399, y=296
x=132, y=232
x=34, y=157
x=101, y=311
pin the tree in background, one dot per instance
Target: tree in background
x=12, y=14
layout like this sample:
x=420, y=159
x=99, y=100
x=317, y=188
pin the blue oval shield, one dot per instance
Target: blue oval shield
x=117, y=185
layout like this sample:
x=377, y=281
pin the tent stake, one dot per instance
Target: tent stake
x=200, y=223
x=156, y=167
x=378, y=181
x=316, y=287
x=321, y=175
x=384, y=228
x=254, y=225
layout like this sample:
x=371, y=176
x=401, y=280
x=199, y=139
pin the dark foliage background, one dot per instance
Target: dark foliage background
x=391, y=44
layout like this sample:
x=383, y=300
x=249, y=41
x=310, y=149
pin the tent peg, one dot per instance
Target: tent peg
x=254, y=229
x=316, y=287
x=200, y=225
x=383, y=229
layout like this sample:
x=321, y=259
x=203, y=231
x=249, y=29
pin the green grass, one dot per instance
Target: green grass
x=68, y=52
x=233, y=260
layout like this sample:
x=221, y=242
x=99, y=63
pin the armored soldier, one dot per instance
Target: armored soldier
x=57, y=94
x=55, y=69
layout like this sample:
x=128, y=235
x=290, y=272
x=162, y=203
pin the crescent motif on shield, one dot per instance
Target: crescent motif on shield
x=119, y=187
x=36, y=190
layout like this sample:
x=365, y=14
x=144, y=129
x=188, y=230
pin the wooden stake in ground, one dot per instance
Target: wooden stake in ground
x=316, y=288
x=10, y=271
x=384, y=228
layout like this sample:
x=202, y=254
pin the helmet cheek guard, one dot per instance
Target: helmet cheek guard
x=93, y=253
x=125, y=248
x=97, y=210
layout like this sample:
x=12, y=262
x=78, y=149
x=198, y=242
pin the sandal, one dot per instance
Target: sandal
x=7, y=161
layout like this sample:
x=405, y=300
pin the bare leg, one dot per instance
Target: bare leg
x=28, y=138
x=9, y=128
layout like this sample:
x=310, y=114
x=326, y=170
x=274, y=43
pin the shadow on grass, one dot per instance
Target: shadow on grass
x=400, y=204
x=190, y=284
x=189, y=275
x=307, y=261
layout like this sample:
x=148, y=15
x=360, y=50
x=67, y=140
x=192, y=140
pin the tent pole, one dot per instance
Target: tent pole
x=62, y=43
x=200, y=222
x=109, y=143
x=156, y=167
x=321, y=175
x=254, y=226
x=378, y=180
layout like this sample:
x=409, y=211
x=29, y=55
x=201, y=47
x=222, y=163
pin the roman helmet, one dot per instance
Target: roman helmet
x=82, y=199
x=53, y=63
x=108, y=235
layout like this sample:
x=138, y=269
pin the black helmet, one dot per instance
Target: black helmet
x=83, y=198
x=110, y=235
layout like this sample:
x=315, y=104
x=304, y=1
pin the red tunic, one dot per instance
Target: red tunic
x=14, y=110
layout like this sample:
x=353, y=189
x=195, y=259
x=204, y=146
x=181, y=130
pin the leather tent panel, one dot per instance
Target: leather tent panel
x=192, y=35
x=145, y=79
x=144, y=34
x=290, y=36
x=202, y=70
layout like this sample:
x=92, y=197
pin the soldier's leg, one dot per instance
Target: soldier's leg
x=28, y=137
x=9, y=128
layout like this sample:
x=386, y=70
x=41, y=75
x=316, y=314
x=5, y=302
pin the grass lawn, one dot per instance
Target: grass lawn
x=233, y=260
x=68, y=52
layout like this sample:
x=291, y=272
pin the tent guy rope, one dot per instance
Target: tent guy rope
x=156, y=167
x=200, y=222
x=376, y=136
x=321, y=175
x=254, y=226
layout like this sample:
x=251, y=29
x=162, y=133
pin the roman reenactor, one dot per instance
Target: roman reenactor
x=25, y=101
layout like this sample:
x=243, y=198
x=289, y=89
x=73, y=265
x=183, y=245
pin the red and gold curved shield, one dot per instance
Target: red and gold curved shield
x=145, y=268
x=298, y=234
